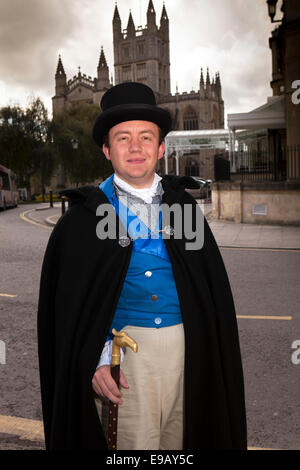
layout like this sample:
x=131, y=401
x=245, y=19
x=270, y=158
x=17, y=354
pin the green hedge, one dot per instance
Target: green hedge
x=39, y=197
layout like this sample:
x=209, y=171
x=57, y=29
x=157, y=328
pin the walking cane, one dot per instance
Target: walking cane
x=121, y=340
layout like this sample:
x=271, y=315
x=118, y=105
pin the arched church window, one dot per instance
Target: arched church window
x=190, y=120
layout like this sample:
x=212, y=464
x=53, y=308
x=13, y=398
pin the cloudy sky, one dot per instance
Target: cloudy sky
x=228, y=36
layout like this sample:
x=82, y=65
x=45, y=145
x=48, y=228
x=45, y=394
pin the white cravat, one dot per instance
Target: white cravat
x=144, y=193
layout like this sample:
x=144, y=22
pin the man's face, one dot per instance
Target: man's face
x=134, y=150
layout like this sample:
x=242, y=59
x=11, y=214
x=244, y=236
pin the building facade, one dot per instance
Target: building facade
x=265, y=169
x=142, y=54
x=284, y=45
x=81, y=88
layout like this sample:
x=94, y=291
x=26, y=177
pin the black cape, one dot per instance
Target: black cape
x=81, y=280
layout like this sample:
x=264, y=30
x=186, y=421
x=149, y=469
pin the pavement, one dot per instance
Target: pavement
x=227, y=234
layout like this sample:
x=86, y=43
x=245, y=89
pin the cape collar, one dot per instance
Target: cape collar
x=92, y=196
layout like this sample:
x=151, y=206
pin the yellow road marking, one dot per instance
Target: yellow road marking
x=23, y=217
x=29, y=429
x=8, y=295
x=266, y=317
x=261, y=448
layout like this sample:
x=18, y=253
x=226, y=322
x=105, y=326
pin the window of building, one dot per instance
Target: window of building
x=126, y=73
x=161, y=49
x=215, y=118
x=141, y=73
x=5, y=180
x=190, y=120
x=125, y=52
x=141, y=49
x=192, y=168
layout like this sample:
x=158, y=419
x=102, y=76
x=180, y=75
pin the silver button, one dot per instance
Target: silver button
x=154, y=297
x=169, y=230
x=148, y=273
x=124, y=241
x=157, y=320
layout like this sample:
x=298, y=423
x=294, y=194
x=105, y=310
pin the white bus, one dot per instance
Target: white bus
x=9, y=196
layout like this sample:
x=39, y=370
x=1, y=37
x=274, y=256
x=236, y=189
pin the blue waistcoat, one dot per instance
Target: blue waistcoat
x=149, y=296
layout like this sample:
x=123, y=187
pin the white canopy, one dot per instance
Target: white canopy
x=186, y=141
x=271, y=115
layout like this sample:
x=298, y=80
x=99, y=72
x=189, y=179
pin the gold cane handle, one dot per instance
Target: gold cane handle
x=121, y=340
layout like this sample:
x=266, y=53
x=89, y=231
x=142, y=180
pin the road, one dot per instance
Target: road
x=265, y=286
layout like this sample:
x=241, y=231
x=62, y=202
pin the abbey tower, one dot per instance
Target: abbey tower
x=142, y=54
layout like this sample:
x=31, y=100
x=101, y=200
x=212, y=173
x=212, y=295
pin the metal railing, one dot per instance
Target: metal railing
x=261, y=165
x=292, y=157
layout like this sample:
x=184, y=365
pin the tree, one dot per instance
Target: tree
x=31, y=144
x=88, y=162
x=25, y=142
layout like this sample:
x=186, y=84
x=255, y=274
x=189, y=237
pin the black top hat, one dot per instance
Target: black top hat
x=129, y=102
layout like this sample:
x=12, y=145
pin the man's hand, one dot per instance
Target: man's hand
x=105, y=386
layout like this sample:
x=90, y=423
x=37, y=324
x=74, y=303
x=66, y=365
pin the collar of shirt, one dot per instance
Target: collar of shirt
x=146, y=194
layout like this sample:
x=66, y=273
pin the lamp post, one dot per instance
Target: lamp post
x=74, y=143
x=272, y=10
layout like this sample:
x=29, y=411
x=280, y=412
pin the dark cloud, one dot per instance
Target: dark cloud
x=230, y=36
x=30, y=31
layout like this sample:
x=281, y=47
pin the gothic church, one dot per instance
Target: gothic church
x=143, y=55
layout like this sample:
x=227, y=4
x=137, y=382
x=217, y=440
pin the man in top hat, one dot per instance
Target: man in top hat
x=184, y=388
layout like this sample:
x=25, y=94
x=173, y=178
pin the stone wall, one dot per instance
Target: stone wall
x=257, y=203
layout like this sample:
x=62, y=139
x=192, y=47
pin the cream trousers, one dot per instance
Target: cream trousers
x=151, y=416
